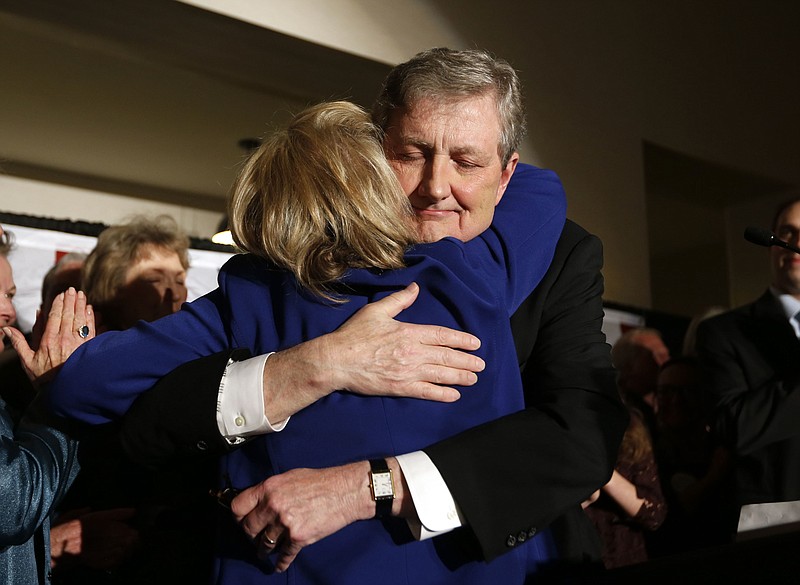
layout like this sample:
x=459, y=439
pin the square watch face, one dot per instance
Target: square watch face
x=382, y=485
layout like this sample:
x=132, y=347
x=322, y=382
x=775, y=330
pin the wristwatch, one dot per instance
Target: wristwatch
x=381, y=483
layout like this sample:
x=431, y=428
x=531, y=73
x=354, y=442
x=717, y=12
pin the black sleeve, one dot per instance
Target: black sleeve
x=177, y=417
x=755, y=382
x=515, y=475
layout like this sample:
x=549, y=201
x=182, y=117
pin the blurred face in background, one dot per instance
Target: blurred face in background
x=8, y=315
x=785, y=264
x=679, y=396
x=640, y=375
x=654, y=345
x=155, y=286
x=67, y=275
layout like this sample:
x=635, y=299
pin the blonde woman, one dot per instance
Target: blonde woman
x=137, y=271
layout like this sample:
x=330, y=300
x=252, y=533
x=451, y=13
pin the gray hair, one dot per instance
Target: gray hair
x=50, y=277
x=624, y=351
x=120, y=246
x=449, y=74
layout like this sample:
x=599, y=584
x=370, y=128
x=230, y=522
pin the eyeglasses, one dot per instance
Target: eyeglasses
x=787, y=233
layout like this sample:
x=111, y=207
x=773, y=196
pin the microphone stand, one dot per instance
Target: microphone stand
x=762, y=237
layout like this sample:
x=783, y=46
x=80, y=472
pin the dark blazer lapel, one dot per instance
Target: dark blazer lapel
x=776, y=336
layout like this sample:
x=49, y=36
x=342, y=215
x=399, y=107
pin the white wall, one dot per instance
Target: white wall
x=389, y=32
x=29, y=197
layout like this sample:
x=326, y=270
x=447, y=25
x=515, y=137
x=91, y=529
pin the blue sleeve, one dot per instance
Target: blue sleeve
x=38, y=465
x=527, y=224
x=100, y=381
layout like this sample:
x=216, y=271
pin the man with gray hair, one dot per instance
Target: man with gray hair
x=453, y=121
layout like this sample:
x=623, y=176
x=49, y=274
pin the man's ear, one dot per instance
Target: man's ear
x=505, y=176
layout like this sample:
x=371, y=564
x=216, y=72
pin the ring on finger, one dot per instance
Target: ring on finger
x=83, y=331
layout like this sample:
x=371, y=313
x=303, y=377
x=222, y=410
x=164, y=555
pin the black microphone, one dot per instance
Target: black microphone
x=762, y=237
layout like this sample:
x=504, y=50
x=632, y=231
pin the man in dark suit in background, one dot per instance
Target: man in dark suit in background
x=509, y=478
x=753, y=356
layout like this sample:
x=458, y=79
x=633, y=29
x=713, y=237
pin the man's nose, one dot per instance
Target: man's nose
x=435, y=184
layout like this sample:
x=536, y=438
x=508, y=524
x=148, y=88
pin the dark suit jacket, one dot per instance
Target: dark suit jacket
x=753, y=358
x=512, y=476
x=531, y=468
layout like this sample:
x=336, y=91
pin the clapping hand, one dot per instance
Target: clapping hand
x=70, y=324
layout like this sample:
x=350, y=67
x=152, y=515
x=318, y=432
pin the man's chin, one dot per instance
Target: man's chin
x=789, y=286
x=428, y=232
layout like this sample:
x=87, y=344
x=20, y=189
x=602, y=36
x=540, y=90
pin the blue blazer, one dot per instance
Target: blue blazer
x=473, y=286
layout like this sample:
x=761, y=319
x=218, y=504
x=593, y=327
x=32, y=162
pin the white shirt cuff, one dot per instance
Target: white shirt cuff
x=436, y=509
x=240, y=402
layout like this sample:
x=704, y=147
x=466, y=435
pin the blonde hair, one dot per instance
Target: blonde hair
x=319, y=198
x=119, y=247
x=636, y=444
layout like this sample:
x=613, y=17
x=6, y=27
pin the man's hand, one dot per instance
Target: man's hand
x=375, y=355
x=62, y=335
x=287, y=512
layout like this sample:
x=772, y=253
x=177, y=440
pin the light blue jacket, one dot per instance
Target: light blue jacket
x=37, y=465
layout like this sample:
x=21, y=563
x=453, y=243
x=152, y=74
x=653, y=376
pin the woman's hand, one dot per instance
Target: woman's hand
x=69, y=325
x=98, y=540
x=374, y=354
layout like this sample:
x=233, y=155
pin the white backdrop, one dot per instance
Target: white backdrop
x=36, y=251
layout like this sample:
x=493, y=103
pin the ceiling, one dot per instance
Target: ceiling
x=171, y=91
x=151, y=98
